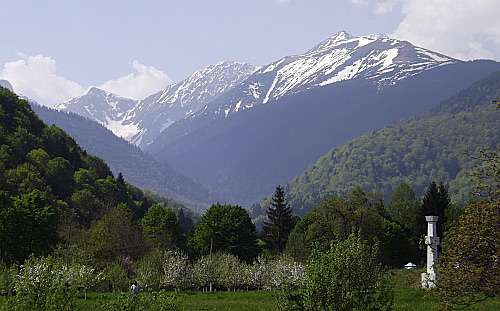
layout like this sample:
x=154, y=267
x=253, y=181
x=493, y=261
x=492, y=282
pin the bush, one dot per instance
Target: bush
x=346, y=277
x=117, y=278
x=150, y=271
x=7, y=279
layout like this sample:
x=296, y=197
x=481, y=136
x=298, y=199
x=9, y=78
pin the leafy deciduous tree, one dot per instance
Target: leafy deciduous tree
x=227, y=228
x=28, y=224
x=162, y=229
x=470, y=266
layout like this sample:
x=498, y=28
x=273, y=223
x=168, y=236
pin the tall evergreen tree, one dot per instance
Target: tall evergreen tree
x=435, y=202
x=280, y=224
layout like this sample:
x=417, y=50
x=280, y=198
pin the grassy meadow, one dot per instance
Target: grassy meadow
x=407, y=296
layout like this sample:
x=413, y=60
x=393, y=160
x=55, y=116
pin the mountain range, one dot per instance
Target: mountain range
x=140, y=122
x=286, y=115
x=242, y=130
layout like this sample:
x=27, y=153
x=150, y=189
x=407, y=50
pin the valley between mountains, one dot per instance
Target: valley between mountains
x=232, y=132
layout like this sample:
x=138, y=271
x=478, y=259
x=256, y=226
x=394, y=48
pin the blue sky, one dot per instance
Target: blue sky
x=53, y=50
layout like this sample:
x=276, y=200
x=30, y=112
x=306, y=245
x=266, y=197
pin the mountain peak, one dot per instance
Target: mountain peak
x=94, y=89
x=339, y=37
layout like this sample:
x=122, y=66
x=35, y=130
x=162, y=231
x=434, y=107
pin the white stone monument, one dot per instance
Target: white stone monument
x=432, y=241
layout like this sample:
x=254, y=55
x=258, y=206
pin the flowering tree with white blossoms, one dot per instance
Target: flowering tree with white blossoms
x=201, y=273
x=284, y=272
x=174, y=268
x=228, y=271
x=43, y=283
x=258, y=274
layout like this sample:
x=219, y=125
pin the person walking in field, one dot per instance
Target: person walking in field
x=135, y=289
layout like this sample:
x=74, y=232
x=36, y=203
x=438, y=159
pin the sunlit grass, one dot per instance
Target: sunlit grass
x=407, y=296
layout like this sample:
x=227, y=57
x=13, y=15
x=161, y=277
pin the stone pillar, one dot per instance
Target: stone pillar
x=432, y=242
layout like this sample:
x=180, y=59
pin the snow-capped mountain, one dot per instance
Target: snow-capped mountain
x=140, y=122
x=376, y=58
x=243, y=130
x=272, y=126
x=155, y=113
x=106, y=108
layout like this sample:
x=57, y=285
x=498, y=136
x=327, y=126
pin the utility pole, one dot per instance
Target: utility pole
x=211, y=243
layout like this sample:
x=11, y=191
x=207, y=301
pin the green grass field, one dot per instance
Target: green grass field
x=410, y=299
x=407, y=296
x=404, y=299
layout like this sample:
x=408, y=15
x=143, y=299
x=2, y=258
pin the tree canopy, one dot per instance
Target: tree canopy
x=227, y=228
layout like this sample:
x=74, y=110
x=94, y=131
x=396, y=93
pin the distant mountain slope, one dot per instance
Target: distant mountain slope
x=269, y=129
x=380, y=61
x=416, y=151
x=103, y=107
x=157, y=112
x=140, y=122
x=136, y=166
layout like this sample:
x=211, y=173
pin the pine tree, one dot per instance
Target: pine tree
x=280, y=222
x=436, y=201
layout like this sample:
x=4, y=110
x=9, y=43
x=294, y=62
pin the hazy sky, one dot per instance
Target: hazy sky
x=53, y=50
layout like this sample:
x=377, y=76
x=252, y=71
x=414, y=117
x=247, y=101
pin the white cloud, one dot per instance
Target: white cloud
x=461, y=29
x=282, y=1
x=145, y=81
x=34, y=77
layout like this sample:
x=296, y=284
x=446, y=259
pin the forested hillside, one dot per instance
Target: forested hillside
x=136, y=166
x=416, y=151
x=52, y=191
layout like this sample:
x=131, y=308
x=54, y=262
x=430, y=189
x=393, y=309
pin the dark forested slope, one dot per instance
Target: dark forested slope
x=416, y=151
x=136, y=166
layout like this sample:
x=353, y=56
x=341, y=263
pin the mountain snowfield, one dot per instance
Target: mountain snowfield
x=105, y=108
x=140, y=122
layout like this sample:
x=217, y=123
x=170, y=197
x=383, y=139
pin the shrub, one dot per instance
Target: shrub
x=7, y=279
x=117, y=278
x=346, y=277
x=150, y=271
